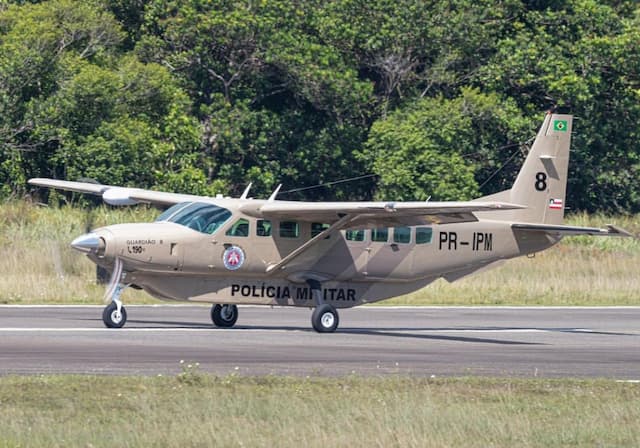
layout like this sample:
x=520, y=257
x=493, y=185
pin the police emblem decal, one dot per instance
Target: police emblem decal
x=233, y=258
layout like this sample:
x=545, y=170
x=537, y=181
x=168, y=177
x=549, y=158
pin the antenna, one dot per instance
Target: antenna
x=246, y=191
x=275, y=193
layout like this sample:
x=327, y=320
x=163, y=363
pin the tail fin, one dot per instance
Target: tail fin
x=541, y=184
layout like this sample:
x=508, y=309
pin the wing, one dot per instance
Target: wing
x=114, y=195
x=554, y=230
x=374, y=214
x=361, y=214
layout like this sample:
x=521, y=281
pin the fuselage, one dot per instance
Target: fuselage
x=213, y=252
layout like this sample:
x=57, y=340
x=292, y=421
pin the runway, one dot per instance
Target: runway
x=422, y=341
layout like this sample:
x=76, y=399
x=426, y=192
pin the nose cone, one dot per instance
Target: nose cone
x=88, y=243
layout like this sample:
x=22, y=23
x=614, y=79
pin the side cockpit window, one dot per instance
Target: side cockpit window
x=199, y=216
x=239, y=228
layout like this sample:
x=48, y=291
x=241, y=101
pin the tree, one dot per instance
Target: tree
x=269, y=92
x=82, y=108
x=207, y=95
x=427, y=149
x=582, y=56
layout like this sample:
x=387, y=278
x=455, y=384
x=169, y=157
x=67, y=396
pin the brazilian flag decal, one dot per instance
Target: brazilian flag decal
x=560, y=125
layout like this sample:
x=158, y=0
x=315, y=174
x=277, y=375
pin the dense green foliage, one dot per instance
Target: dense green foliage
x=436, y=98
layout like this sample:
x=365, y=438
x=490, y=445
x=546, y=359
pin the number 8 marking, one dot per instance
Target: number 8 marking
x=541, y=181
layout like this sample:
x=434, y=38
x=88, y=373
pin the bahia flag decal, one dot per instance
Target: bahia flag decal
x=560, y=125
x=555, y=204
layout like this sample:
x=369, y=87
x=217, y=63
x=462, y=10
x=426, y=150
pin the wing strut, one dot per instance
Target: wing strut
x=313, y=241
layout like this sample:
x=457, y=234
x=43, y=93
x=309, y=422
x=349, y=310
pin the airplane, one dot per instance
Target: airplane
x=325, y=255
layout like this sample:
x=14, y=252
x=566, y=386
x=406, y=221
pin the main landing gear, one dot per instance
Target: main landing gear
x=224, y=316
x=324, y=318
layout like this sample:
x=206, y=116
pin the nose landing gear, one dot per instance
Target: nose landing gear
x=114, y=314
x=114, y=318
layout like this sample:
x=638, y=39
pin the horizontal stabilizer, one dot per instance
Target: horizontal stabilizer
x=560, y=230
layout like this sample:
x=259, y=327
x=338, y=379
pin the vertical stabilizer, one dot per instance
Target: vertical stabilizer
x=541, y=184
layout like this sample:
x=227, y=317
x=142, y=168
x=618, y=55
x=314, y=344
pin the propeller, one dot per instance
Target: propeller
x=114, y=281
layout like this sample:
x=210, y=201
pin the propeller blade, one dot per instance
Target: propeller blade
x=116, y=275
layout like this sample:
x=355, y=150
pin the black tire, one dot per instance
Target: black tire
x=224, y=316
x=325, y=319
x=110, y=317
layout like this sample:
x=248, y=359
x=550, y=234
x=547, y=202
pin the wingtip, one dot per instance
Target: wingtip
x=619, y=231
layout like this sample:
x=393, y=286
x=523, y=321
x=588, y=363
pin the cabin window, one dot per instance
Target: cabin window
x=380, y=235
x=354, y=235
x=239, y=228
x=424, y=235
x=317, y=228
x=200, y=216
x=263, y=227
x=402, y=235
x=289, y=229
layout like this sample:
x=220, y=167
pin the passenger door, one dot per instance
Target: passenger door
x=390, y=253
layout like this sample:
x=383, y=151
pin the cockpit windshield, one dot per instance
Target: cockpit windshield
x=200, y=216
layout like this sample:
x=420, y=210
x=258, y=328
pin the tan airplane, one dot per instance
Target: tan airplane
x=325, y=255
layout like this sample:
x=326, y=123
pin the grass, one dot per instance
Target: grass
x=39, y=267
x=37, y=263
x=194, y=409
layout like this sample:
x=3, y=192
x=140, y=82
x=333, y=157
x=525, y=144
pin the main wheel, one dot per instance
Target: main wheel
x=112, y=318
x=224, y=316
x=325, y=319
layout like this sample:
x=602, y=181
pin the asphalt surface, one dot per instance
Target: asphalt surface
x=457, y=341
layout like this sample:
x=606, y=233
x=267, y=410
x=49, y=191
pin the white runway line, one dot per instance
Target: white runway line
x=127, y=330
x=270, y=330
x=367, y=307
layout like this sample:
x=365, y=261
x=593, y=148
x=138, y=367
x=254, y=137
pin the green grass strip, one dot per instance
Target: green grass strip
x=196, y=409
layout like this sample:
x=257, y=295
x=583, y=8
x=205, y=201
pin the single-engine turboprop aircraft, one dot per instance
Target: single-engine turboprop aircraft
x=325, y=255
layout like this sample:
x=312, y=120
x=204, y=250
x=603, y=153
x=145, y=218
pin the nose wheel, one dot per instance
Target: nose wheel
x=224, y=316
x=114, y=317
